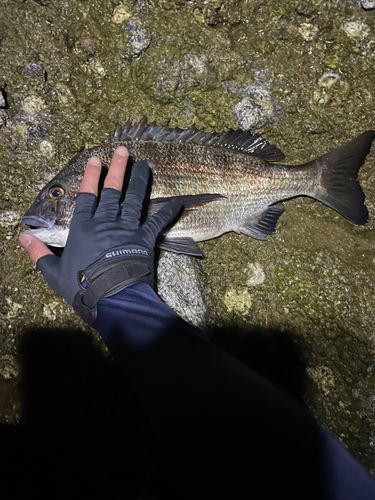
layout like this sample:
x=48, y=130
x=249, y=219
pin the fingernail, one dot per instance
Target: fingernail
x=95, y=161
x=25, y=240
x=121, y=151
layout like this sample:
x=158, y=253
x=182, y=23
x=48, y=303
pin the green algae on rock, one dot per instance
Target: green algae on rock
x=319, y=276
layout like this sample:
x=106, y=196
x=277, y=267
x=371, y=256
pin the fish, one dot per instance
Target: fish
x=225, y=181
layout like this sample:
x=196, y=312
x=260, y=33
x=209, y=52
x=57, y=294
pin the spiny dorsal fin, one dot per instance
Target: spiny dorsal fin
x=235, y=140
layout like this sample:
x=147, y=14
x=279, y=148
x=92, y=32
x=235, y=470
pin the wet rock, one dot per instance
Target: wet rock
x=3, y=117
x=258, y=108
x=230, y=12
x=34, y=72
x=360, y=32
x=8, y=366
x=31, y=127
x=166, y=79
x=368, y=4
x=143, y=5
x=327, y=80
x=3, y=31
x=238, y=301
x=211, y=15
x=139, y=37
x=89, y=45
x=195, y=70
x=180, y=285
x=308, y=31
x=121, y=14
x=46, y=149
x=96, y=68
x=356, y=29
x=33, y=104
x=63, y=93
x=305, y=7
x=341, y=3
x=2, y=100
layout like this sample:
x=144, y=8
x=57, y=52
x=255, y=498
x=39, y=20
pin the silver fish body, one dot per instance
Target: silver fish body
x=224, y=183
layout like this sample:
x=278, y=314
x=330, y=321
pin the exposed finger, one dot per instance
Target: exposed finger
x=116, y=172
x=91, y=176
x=131, y=207
x=161, y=219
x=35, y=248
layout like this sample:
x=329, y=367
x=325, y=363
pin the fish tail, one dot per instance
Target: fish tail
x=338, y=187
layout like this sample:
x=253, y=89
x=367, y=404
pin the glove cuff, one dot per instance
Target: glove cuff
x=107, y=283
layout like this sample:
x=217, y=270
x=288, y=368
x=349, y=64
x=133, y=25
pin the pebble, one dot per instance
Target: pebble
x=194, y=70
x=308, y=31
x=34, y=72
x=46, y=149
x=258, y=108
x=139, y=37
x=327, y=80
x=33, y=104
x=356, y=29
x=368, y=4
x=2, y=100
x=121, y=13
x=238, y=301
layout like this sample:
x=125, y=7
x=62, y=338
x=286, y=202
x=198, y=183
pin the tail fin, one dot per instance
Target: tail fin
x=339, y=188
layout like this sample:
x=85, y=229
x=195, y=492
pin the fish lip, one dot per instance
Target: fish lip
x=39, y=222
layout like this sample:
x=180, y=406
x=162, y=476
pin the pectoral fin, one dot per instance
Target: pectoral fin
x=264, y=224
x=189, y=202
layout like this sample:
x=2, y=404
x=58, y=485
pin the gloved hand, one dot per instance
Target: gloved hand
x=107, y=249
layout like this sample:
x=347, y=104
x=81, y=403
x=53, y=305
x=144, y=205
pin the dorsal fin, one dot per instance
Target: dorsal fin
x=235, y=140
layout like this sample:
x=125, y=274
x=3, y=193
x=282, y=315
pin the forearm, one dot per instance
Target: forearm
x=222, y=429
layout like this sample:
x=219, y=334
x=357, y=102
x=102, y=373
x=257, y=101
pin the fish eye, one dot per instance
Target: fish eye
x=56, y=192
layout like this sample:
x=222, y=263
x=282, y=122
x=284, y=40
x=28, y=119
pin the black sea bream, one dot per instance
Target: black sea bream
x=225, y=181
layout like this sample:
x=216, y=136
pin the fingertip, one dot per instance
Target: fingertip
x=122, y=151
x=91, y=176
x=95, y=161
x=35, y=248
x=24, y=240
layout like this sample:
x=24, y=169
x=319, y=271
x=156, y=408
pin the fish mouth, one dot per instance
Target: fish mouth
x=37, y=222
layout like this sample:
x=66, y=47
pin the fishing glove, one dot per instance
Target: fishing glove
x=107, y=249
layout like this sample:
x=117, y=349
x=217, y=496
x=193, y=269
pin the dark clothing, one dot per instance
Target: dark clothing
x=220, y=430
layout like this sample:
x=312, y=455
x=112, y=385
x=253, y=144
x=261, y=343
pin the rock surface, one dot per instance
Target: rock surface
x=368, y=4
x=180, y=285
x=302, y=72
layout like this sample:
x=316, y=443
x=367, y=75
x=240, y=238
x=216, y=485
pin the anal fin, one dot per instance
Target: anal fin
x=180, y=245
x=264, y=224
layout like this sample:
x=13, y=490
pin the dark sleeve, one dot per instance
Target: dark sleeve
x=220, y=429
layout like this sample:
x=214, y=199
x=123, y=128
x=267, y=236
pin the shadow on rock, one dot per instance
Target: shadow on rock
x=269, y=352
x=83, y=433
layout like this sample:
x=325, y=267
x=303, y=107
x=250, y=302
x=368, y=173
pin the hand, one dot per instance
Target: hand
x=107, y=249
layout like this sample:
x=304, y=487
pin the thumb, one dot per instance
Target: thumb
x=35, y=248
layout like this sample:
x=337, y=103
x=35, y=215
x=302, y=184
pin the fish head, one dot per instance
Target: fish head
x=51, y=213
